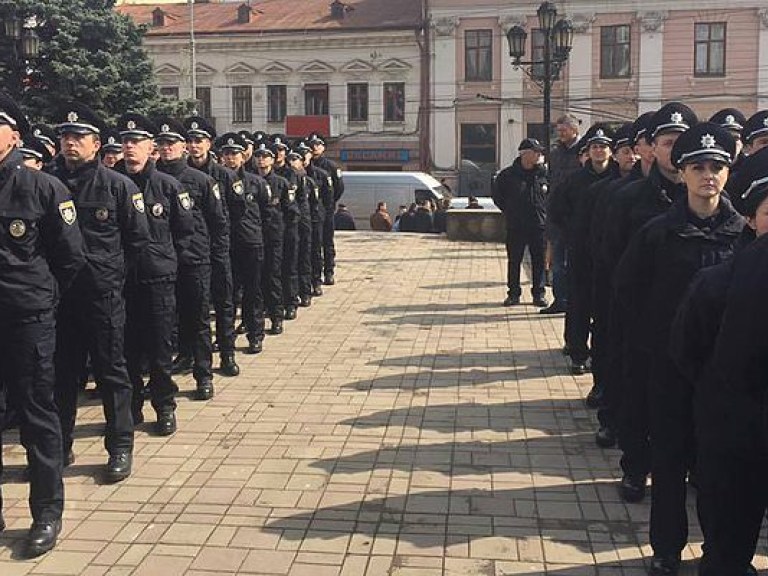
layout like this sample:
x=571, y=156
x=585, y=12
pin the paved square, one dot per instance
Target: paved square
x=405, y=425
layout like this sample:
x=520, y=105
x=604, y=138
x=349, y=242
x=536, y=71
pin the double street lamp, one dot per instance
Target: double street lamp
x=558, y=41
x=17, y=32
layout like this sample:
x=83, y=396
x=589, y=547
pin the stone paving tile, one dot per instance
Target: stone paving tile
x=405, y=425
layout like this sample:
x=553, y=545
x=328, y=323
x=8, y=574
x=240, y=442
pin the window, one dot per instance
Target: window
x=478, y=143
x=170, y=92
x=203, y=95
x=709, y=49
x=242, y=110
x=394, y=101
x=357, y=102
x=276, y=103
x=615, y=51
x=478, y=55
x=316, y=99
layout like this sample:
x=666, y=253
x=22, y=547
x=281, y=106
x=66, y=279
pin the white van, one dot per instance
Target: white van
x=364, y=190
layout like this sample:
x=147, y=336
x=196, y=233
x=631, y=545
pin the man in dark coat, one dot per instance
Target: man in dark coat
x=698, y=231
x=520, y=192
x=343, y=219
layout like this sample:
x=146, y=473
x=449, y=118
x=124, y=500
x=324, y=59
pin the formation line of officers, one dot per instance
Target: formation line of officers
x=115, y=244
x=664, y=223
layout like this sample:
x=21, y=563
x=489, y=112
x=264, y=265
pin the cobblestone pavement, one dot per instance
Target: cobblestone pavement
x=405, y=425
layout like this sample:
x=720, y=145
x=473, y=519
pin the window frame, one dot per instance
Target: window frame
x=479, y=52
x=242, y=104
x=277, y=93
x=169, y=92
x=708, y=43
x=311, y=106
x=390, y=109
x=203, y=105
x=613, y=52
x=358, y=104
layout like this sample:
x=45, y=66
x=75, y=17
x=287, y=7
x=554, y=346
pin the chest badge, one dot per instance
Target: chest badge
x=101, y=214
x=138, y=202
x=238, y=187
x=17, y=229
x=157, y=210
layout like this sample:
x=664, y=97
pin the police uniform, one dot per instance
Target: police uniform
x=732, y=462
x=638, y=202
x=32, y=147
x=291, y=205
x=150, y=291
x=307, y=198
x=91, y=317
x=318, y=216
x=41, y=252
x=329, y=248
x=569, y=198
x=652, y=278
x=222, y=288
x=201, y=196
x=110, y=144
x=47, y=135
x=251, y=198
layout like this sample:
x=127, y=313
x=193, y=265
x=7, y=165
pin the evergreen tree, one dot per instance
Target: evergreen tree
x=88, y=52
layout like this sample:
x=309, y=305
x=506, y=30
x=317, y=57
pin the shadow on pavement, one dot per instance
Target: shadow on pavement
x=432, y=307
x=442, y=319
x=459, y=359
x=472, y=285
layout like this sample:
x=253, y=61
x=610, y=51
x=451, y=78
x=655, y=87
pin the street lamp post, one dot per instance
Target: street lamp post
x=558, y=41
x=18, y=34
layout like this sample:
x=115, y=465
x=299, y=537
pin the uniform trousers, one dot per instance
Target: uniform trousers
x=27, y=381
x=305, y=255
x=272, y=275
x=223, y=297
x=151, y=315
x=290, y=266
x=193, y=302
x=329, y=248
x=94, y=324
x=316, y=257
x=517, y=240
x=631, y=401
x=579, y=310
x=247, y=262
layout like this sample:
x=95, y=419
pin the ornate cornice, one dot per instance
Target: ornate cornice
x=652, y=21
x=507, y=22
x=763, y=15
x=581, y=22
x=444, y=26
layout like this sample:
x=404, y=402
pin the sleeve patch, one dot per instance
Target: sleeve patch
x=68, y=212
x=216, y=193
x=138, y=202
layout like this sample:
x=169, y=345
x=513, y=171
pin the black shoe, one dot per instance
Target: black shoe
x=605, y=437
x=254, y=347
x=204, y=390
x=42, y=537
x=317, y=290
x=2, y=522
x=540, y=302
x=566, y=350
x=290, y=313
x=632, y=488
x=578, y=369
x=146, y=393
x=512, y=301
x=664, y=566
x=305, y=301
x=277, y=326
x=595, y=397
x=166, y=424
x=329, y=280
x=241, y=329
x=182, y=364
x=554, y=308
x=119, y=466
x=215, y=346
x=228, y=365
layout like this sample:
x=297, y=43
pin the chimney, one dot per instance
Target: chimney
x=158, y=18
x=243, y=14
x=337, y=10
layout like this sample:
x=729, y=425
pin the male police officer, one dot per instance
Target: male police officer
x=200, y=135
x=91, y=319
x=150, y=288
x=193, y=283
x=318, y=215
x=319, y=159
x=41, y=252
x=307, y=193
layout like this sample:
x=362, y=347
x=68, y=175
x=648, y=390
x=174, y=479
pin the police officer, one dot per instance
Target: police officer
x=91, y=317
x=150, y=288
x=307, y=192
x=200, y=135
x=318, y=215
x=755, y=132
x=193, y=281
x=291, y=216
x=41, y=252
x=111, y=148
x=319, y=159
x=34, y=152
x=698, y=231
x=48, y=136
x=272, y=280
x=638, y=203
x=251, y=198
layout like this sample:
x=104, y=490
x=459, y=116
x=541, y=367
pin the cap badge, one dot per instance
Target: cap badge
x=165, y=128
x=131, y=125
x=708, y=141
x=600, y=133
x=676, y=117
x=765, y=121
x=37, y=132
x=194, y=125
x=730, y=119
x=231, y=141
x=111, y=140
x=17, y=229
x=72, y=117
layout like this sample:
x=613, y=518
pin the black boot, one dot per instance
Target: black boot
x=305, y=301
x=42, y=537
x=254, y=347
x=330, y=280
x=632, y=488
x=204, y=390
x=277, y=326
x=317, y=290
x=166, y=423
x=228, y=365
x=290, y=312
x=605, y=437
x=119, y=466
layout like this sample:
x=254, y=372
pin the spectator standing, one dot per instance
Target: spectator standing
x=343, y=219
x=381, y=221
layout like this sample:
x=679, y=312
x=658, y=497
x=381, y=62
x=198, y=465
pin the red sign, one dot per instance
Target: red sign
x=300, y=126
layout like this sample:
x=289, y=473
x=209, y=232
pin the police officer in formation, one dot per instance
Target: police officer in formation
x=111, y=257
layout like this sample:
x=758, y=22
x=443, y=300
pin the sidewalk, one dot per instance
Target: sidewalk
x=405, y=425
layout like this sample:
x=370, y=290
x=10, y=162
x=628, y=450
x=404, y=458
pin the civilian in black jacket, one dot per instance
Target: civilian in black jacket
x=520, y=192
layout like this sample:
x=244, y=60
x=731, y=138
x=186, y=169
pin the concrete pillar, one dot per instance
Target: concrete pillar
x=580, y=68
x=444, y=129
x=762, y=63
x=651, y=73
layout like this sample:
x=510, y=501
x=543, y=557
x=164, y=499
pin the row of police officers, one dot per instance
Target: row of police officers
x=662, y=225
x=115, y=244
